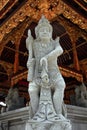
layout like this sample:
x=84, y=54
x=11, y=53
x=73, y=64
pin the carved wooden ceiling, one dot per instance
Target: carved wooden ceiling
x=69, y=21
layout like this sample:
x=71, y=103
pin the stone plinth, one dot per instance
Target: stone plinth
x=48, y=125
x=19, y=119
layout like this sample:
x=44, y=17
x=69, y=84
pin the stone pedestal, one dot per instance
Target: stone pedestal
x=48, y=125
x=19, y=119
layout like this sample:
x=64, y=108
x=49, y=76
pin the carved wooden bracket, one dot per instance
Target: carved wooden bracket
x=34, y=10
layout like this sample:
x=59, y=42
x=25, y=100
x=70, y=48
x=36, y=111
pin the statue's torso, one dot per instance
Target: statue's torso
x=41, y=50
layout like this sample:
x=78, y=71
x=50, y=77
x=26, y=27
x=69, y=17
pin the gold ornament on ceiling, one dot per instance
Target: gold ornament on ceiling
x=3, y=3
x=34, y=9
x=85, y=1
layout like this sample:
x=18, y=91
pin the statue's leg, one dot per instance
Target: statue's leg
x=58, y=94
x=34, y=96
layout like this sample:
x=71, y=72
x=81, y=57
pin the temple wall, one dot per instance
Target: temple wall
x=16, y=120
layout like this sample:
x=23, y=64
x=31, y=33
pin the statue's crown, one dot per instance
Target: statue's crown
x=43, y=20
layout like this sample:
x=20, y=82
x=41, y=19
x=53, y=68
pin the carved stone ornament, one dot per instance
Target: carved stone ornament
x=46, y=87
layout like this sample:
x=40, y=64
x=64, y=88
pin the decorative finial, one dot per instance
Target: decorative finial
x=43, y=20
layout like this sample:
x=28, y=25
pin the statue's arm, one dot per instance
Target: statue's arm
x=57, y=50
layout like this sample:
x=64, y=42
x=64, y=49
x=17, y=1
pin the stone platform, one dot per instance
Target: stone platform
x=48, y=125
x=19, y=119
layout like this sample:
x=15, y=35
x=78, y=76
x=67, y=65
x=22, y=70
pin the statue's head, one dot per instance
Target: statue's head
x=43, y=29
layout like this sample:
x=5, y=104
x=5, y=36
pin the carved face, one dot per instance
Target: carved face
x=44, y=33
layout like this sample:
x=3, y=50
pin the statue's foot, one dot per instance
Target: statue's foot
x=63, y=118
x=54, y=118
x=37, y=118
x=58, y=117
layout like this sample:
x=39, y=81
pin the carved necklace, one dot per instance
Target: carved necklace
x=44, y=44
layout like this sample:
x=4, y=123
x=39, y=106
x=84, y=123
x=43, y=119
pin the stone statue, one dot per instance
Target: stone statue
x=12, y=99
x=46, y=84
x=81, y=95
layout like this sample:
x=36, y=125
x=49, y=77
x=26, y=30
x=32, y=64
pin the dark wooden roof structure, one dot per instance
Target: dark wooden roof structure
x=69, y=21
